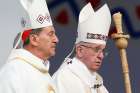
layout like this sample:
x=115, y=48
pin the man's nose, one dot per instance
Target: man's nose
x=101, y=55
x=56, y=39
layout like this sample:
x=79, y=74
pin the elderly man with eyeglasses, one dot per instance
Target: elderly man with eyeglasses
x=79, y=75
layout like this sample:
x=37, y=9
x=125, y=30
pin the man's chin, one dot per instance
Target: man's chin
x=53, y=54
x=95, y=69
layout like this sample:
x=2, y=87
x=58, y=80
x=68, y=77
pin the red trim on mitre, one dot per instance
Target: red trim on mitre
x=26, y=34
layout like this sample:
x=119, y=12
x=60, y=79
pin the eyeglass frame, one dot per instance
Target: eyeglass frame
x=96, y=49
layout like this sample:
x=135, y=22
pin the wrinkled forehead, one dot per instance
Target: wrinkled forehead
x=48, y=29
x=92, y=44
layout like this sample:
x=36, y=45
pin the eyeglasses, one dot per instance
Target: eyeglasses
x=97, y=50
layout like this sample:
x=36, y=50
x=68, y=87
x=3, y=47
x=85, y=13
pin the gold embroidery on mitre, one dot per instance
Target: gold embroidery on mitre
x=51, y=89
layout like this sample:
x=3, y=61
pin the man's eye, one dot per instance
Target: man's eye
x=97, y=49
x=51, y=33
x=104, y=50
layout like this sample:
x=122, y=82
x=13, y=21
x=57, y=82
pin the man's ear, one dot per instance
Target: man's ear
x=34, y=40
x=79, y=51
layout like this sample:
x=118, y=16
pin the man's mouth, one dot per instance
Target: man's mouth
x=98, y=63
x=54, y=46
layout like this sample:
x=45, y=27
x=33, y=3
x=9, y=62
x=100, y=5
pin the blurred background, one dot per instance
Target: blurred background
x=64, y=14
